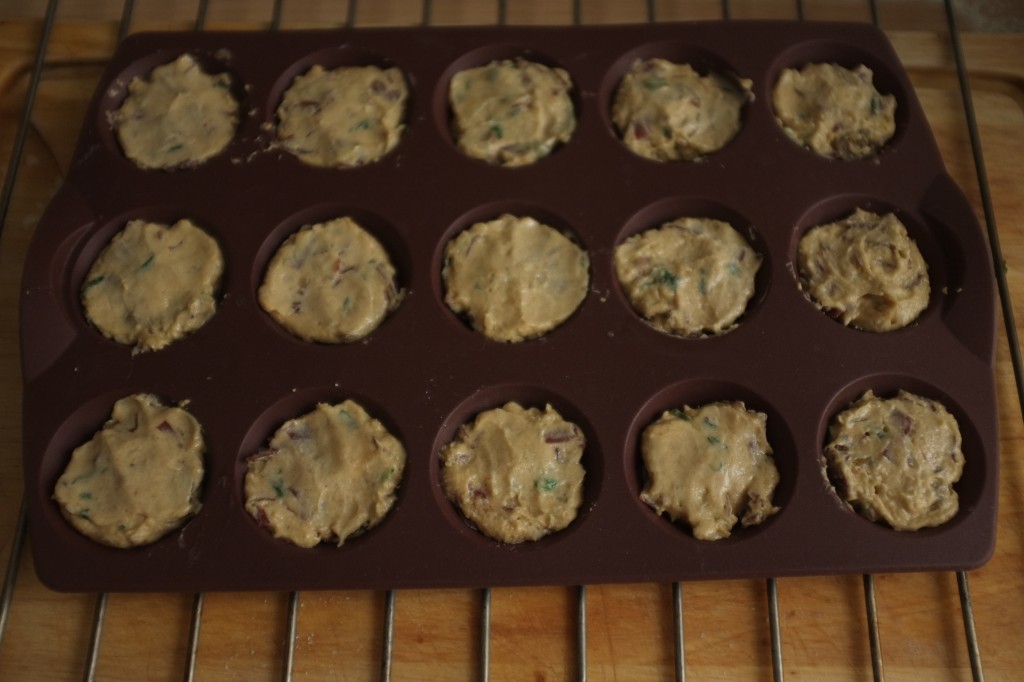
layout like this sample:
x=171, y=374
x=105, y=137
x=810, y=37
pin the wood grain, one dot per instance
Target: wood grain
x=824, y=630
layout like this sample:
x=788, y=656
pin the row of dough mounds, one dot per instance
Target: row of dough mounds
x=509, y=112
x=498, y=299
x=512, y=278
x=515, y=473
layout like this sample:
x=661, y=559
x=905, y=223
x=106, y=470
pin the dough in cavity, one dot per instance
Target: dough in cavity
x=669, y=112
x=511, y=112
x=515, y=472
x=514, y=278
x=710, y=467
x=330, y=282
x=153, y=283
x=865, y=270
x=139, y=476
x=344, y=117
x=178, y=115
x=835, y=111
x=689, y=277
x=895, y=460
x=325, y=476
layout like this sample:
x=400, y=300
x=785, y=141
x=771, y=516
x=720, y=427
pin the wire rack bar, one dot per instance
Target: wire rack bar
x=194, y=631
x=11, y=574
x=873, y=637
x=581, y=634
x=387, y=652
x=204, y=6
x=973, y=649
x=275, y=20
x=774, y=629
x=93, y=656
x=95, y=640
x=291, y=630
x=350, y=18
x=972, y=636
x=7, y=193
x=126, y=20
x=485, y=635
x=677, y=631
x=999, y=265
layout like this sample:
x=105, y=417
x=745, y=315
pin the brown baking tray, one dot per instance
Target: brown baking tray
x=424, y=372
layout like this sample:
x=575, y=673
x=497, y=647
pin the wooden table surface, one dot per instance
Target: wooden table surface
x=629, y=630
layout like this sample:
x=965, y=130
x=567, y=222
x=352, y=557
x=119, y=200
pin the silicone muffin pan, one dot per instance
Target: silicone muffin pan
x=424, y=371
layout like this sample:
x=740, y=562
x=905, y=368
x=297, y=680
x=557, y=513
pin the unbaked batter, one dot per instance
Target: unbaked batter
x=325, y=476
x=514, y=278
x=515, y=472
x=138, y=478
x=710, y=467
x=669, y=112
x=153, y=284
x=866, y=271
x=896, y=460
x=511, y=112
x=835, y=111
x=347, y=116
x=330, y=282
x=689, y=277
x=178, y=116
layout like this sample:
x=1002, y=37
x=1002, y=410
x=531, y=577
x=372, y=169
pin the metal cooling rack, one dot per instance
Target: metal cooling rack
x=484, y=645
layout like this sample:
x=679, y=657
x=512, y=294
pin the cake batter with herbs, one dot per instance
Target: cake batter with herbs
x=325, y=476
x=138, y=478
x=865, y=270
x=514, y=278
x=330, y=282
x=511, y=112
x=349, y=116
x=669, y=112
x=153, y=284
x=834, y=111
x=689, y=277
x=895, y=460
x=710, y=467
x=515, y=472
x=177, y=116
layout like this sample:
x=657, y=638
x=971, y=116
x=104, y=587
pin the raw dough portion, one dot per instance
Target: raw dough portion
x=153, y=284
x=515, y=473
x=710, y=467
x=865, y=271
x=834, y=111
x=511, y=113
x=326, y=475
x=138, y=478
x=669, y=112
x=348, y=116
x=178, y=116
x=896, y=460
x=689, y=277
x=515, y=278
x=330, y=282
